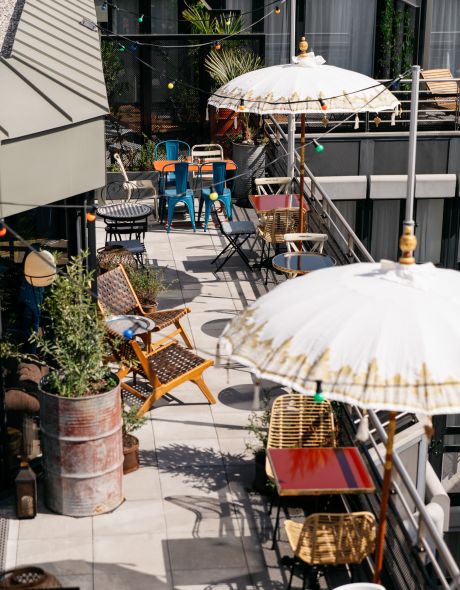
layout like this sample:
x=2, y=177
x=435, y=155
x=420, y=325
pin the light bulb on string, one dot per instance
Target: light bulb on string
x=277, y=10
x=318, y=397
x=128, y=334
x=242, y=107
x=217, y=45
x=318, y=147
x=121, y=47
x=91, y=214
x=323, y=104
x=140, y=19
x=213, y=195
x=134, y=46
x=171, y=85
x=104, y=6
x=3, y=229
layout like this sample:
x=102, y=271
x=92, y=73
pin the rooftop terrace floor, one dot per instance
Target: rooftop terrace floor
x=190, y=520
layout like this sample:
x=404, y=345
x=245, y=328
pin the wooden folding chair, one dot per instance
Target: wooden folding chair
x=448, y=87
x=116, y=296
x=274, y=185
x=165, y=367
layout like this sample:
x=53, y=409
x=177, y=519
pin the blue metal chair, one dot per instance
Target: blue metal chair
x=219, y=170
x=172, y=149
x=180, y=194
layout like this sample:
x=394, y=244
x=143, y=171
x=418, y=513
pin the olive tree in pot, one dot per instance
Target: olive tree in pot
x=131, y=422
x=148, y=282
x=80, y=409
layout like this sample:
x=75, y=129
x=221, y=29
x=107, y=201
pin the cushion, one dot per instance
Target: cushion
x=238, y=227
x=20, y=401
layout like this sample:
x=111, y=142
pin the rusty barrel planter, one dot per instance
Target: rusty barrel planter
x=82, y=452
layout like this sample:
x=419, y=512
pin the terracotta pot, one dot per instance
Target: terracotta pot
x=131, y=453
x=150, y=307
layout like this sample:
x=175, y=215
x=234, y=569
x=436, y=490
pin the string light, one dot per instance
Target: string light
x=277, y=10
x=318, y=147
x=171, y=85
x=121, y=47
x=91, y=214
x=3, y=229
x=104, y=7
x=217, y=45
x=323, y=104
x=140, y=19
x=242, y=107
x=318, y=397
x=134, y=46
x=213, y=195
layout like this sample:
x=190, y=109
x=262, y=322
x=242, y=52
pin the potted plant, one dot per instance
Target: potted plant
x=80, y=410
x=131, y=422
x=148, y=282
x=258, y=427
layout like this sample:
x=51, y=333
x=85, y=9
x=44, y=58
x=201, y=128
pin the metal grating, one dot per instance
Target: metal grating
x=3, y=540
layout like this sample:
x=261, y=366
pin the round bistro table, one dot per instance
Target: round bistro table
x=301, y=263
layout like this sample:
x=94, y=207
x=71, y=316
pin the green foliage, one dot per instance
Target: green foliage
x=395, y=38
x=385, y=38
x=144, y=157
x=131, y=421
x=204, y=24
x=74, y=342
x=113, y=69
x=148, y=282
x=230, y=62
x=258, y=426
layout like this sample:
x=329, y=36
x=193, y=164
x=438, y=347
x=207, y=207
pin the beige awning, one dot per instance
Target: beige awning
x=52, y=107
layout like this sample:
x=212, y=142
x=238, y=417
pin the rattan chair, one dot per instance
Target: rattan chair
x=331, y=539
x=275, y=185
x=116, y=296
x=297, y=421
x=273, y=225
x=165, y=367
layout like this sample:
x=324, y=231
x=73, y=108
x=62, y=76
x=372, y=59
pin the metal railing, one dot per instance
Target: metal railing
x=324, y=216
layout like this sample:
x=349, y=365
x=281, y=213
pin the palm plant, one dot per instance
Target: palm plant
x=204, y=24
x=230, y=62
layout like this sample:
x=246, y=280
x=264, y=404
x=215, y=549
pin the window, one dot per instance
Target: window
x=445, y=36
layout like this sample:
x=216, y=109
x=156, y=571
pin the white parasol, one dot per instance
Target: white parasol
x=306, y=86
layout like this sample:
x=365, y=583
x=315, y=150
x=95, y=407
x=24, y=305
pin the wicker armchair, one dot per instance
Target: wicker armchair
x=117, y=297
x=273, y=225
x=331, y=539
x=297, y=421
x=165, y=367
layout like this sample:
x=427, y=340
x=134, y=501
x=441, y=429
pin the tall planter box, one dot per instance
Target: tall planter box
x=82, y=452
x=250, y=160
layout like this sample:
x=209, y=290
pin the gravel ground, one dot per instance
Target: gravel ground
x=10, y=13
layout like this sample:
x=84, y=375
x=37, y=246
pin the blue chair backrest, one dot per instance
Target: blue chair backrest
x=172, y=148
x=181, y=171
x=219, y=172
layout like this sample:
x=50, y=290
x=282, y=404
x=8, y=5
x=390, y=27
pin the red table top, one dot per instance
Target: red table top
x=268, y=202
x=168, y=165
x=314, y=471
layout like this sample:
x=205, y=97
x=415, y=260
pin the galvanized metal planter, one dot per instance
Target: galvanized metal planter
x=251, y=159
x=82, y=452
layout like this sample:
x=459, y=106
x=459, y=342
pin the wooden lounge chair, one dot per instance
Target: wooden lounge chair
x=448, y=102
x=331, y=539
x=116, y=296
x=165, y=367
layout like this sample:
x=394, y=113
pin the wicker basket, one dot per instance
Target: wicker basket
x=28, y=577
x=109, y=258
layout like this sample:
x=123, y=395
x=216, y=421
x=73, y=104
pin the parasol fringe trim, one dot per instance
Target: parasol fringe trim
x=362, y=435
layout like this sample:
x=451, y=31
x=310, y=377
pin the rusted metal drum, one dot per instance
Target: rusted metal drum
x=82, y=452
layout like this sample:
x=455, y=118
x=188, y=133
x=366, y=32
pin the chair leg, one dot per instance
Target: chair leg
x=200, y=208
x=191, y=211
x=228, y=207
x=207, y=213
x=170, y=215
x=204, y=388
x=184, y=335
x=288, y=587
x=277, y=524
x=268, y=264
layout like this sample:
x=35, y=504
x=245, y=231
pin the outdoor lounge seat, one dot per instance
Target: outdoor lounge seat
x=331, y=539
x=165, y=367
x=448, y=102
x=116, y=296
x=298, y=421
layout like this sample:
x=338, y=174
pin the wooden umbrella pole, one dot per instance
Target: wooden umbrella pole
x=302, y=172
x=385, y=497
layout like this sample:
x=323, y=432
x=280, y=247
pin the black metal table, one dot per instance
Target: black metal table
x=126, y=212
x=301, y=263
